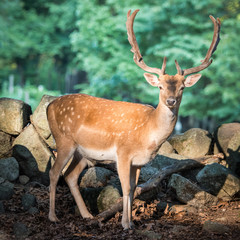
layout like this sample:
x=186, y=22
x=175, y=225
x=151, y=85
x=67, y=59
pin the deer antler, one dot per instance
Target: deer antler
x=206, y=62
x=138, y=59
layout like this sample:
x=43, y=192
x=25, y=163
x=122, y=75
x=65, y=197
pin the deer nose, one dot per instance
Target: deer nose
x=171, y=101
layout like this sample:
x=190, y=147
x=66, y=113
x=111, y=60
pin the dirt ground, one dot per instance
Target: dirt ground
x=150, y=223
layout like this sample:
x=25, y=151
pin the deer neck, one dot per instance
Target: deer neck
x=163, y=121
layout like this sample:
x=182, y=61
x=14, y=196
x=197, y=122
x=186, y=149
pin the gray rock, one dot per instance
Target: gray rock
x=5, y=145
x=14, y=115
x=20, y=230
x=233, y=153
x=28, y=201
x=223, y=135
x=23, y=179
x=9, y=169
x=146, y=173
x=185, y=189
x=32, y=154
x=95, y=177
x=203, y=199
x=6, y=183
x=33, y=210
x=188, y=192
x=162, y=161
x=6, y=192
x=219, y=181
x=107, y=198
x=193, y=143
x=215, y=227
x=39, y=120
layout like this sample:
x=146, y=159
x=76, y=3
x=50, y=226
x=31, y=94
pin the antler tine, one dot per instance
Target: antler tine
x=206, y=62
x=135, y=49
x=179, y=70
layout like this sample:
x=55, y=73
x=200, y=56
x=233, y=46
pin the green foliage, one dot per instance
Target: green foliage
x=34, y=36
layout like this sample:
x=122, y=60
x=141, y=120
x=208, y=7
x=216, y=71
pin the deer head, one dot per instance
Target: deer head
x=171, y=86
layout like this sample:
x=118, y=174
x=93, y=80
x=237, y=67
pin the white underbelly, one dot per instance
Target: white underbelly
x=93, y=154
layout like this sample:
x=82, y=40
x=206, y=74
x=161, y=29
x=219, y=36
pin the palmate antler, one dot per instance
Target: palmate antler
x=139, y=60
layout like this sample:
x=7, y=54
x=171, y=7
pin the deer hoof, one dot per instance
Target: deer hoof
x=89, y=216
x=128, y=225
x=53, y=218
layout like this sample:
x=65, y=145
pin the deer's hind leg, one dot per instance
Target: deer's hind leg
x=65, y=148
x=71, y=176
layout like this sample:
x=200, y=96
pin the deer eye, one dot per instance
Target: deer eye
x=181, y=88
x=160, y=87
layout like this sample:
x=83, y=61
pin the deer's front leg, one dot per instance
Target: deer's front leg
x=124, y=175
x=128, y=176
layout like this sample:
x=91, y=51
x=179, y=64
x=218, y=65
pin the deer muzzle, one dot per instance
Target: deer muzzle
x=171, y=102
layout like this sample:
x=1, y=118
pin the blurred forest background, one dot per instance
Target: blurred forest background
x=65, y=46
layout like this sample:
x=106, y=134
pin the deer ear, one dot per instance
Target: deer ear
x=151, y=79
x=191, y=80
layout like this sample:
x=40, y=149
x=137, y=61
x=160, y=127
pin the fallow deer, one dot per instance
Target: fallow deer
x=87, y=127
